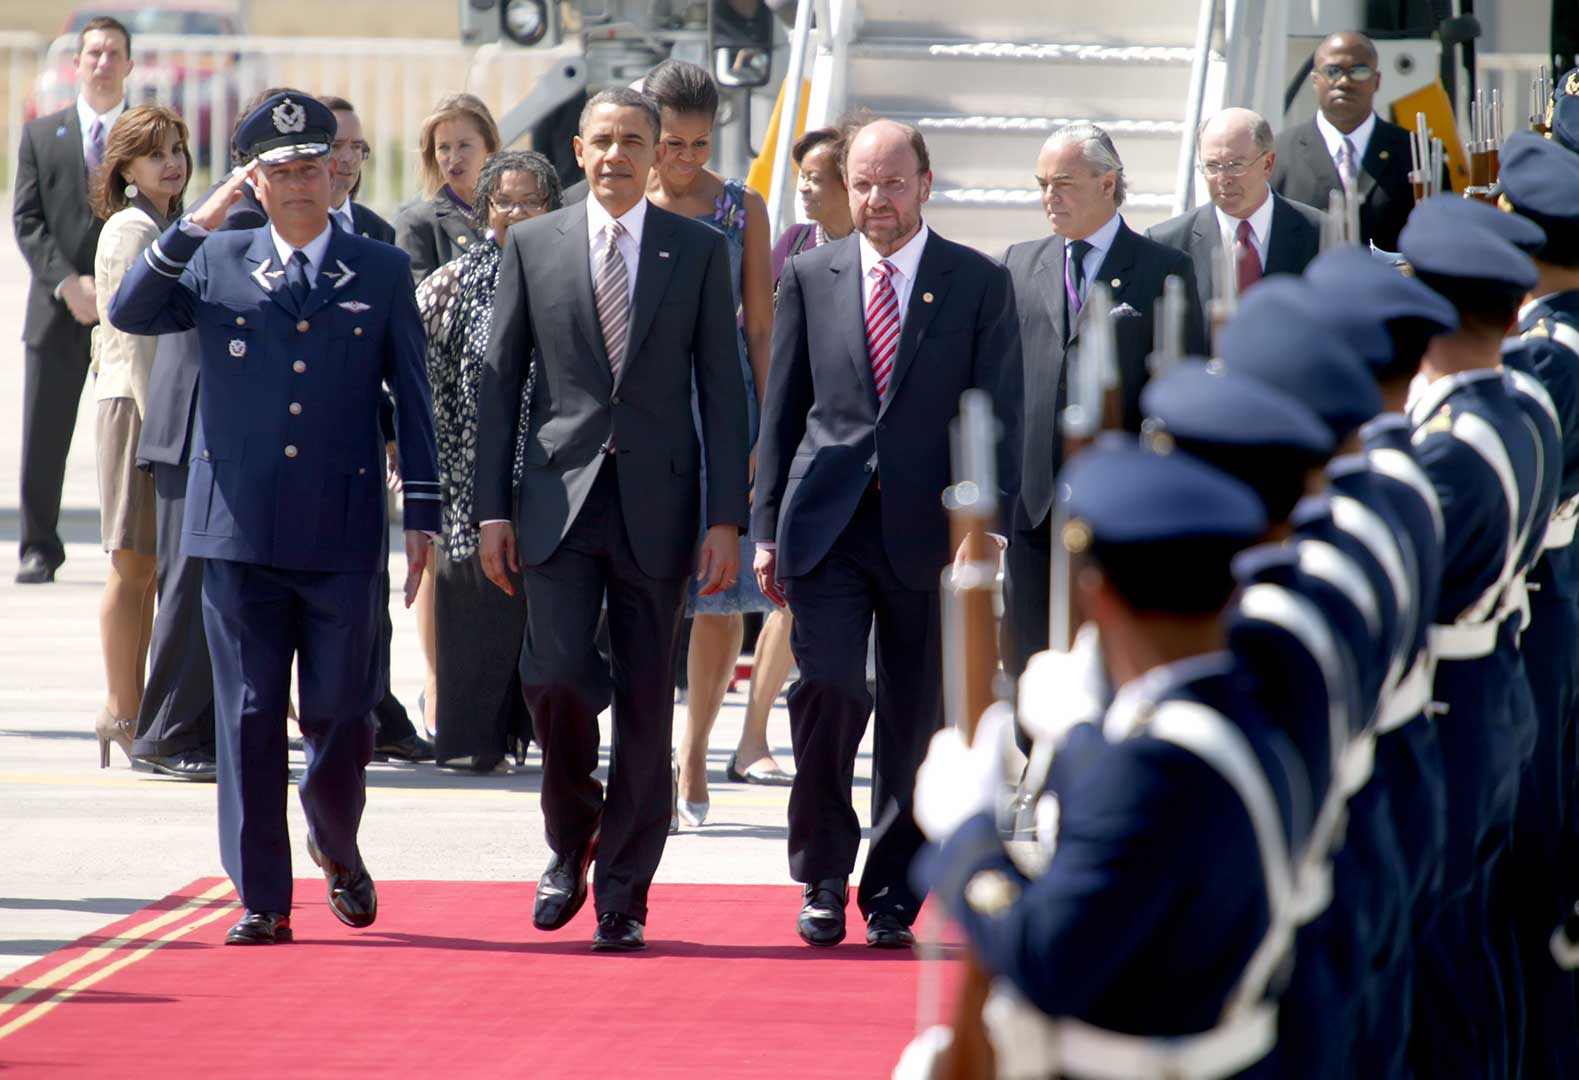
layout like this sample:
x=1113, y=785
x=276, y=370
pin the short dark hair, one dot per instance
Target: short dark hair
x=104, y=22
x=246, y=110
x=508, y=161
x=622, y=97
x=825, y=136
x=685, y=87
x=336, y=103
x=918, y=144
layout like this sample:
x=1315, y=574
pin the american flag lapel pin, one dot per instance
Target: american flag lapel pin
x=663, y=254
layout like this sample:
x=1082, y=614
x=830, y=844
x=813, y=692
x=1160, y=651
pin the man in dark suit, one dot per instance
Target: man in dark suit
x=1347, y=145
x=58, y=233
x=299, y=326
x=627, y=306
x=1267, y=233
x=874, y=340
x=1082, y=182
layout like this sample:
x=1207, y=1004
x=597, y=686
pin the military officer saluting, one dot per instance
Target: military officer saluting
x=1152, y=935
x=299, y=323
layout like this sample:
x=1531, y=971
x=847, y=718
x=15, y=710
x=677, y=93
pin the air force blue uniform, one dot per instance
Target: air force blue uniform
x=285, y=501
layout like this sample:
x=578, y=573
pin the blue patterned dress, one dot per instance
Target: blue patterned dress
x=729, y=218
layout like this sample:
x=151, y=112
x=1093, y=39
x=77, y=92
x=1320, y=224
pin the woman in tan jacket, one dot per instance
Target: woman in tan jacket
x=139, y=189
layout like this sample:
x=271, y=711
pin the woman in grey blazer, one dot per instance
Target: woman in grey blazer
x=456, y=138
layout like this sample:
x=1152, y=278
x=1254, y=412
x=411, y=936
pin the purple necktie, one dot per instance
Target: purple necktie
x=96, y=145
x=1074, y=277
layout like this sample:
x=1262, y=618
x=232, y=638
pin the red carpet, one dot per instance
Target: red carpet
x=453, y=981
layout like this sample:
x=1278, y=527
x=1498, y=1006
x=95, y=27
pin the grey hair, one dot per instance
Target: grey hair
x=1096, y=147
x=1260, y=133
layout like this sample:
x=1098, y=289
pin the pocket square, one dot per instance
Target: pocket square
x=1124, y=311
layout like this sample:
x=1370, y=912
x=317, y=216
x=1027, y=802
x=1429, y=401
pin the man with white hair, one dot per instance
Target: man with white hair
x=1082, y=183
x=1267, y=233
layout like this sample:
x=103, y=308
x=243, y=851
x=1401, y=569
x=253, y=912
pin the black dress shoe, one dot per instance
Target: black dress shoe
x=618, y=933
x=352, y=897
x=35, y=570
x=821, y=919
x=260, y=928
x=563, y=887
x=885, y=930
x=411, y=748
x=196, y=765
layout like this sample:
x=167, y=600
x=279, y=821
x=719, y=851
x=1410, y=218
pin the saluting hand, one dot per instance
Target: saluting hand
x=211, y=215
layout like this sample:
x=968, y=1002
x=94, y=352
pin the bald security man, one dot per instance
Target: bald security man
x=1267, y=233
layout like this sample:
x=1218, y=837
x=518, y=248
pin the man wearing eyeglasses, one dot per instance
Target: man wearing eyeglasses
x=346, y=156
x=1266, y=233
x=1347, y=146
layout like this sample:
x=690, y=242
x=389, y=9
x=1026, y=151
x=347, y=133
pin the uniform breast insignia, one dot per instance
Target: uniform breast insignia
x=355, y=307
x=991, y=892
x=238, y=348
x=343, y=278
x=289, y=117
x=1441, y=420
x=1539, y=330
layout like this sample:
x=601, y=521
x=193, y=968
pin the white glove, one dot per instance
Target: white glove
x=1059, y=690
x=958, y=781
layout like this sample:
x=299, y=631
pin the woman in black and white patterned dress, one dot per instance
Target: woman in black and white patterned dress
x=479, y=712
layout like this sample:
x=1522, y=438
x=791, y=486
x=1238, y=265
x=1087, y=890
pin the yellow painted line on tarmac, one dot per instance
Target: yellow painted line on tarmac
x=60, y=997
x=99, y=952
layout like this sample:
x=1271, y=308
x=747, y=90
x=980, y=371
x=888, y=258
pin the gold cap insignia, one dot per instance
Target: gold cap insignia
x=1160, y=443
x=1077, y=536
x=991, y=892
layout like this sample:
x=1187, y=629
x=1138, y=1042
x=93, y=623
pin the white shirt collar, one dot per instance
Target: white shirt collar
x=344, y=211
x=86, y=116
x=1260, y=221
x=1102, y=239
x=315, y=249
x=1132, y=700
x=1360, y=136
x=634, y=219
x=906, y=260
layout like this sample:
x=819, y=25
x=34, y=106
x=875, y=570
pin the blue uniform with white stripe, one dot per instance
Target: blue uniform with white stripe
x=286, y=503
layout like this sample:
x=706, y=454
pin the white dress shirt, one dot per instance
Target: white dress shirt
x=1260, y=227
x=1100, y=242
x=316, y=250
x=343, y=212
x=87, y=116
x=628, y=245
x=905, y=262
x=1360, y=137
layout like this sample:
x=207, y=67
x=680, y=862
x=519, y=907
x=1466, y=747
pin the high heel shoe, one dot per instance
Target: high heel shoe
x=693, y=813
x=109, y=730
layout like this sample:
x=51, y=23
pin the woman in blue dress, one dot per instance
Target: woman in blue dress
x=681, y=183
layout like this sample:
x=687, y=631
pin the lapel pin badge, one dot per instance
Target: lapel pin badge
x=1116, y=282
x=238, y=348
x=663, y=254
x=1384, y=155
x=926, y=298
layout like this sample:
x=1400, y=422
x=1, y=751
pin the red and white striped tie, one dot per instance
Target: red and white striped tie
x=882, y=326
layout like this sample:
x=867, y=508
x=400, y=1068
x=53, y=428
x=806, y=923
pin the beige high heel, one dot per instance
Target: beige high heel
x=109, y=730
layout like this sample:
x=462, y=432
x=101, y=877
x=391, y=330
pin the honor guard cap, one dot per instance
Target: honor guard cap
x=1564, y=116
x=1378, y=311
x=1525, y=235
x=1162, y=527
x=1280, y=336
x=287, y=126
x=1540, y=181
x=1442, y=242
x=1250, y=430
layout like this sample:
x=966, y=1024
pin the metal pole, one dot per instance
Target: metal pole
x=779, y=191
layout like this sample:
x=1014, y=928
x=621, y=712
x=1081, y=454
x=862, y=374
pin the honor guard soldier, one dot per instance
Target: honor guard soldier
x=299, y=323
x=1153, y=935
x=1474, y=441
x=1540, y=182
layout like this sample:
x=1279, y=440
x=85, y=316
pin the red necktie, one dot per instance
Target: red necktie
x=1245, y=256
x=882, y=326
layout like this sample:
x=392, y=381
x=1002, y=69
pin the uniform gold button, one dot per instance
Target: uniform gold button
x=241, y=320
x=301, y=327
x=296, y=408
x=290, y=451
x=299, y=367
x=361, y=472
x=357, y=331
x=462, y=240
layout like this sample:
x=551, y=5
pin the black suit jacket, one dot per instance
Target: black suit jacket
x=433, y=233
x=1134, y=269
x=682, y=327
x=1305, y=173
x=370, y=225
x=55, y=229
x=1295, y=240
x=824, y=433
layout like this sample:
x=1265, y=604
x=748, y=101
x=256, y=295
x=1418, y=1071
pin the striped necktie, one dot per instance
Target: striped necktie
x=882, y=326
x=95, y=157
x=1351, y=165
x=611, y=292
